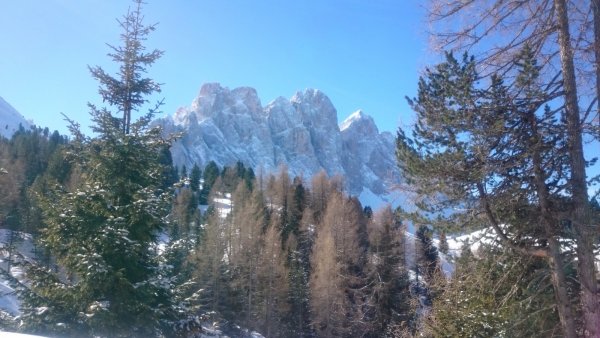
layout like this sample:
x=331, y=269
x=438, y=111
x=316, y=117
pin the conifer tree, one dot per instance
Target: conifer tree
x=299, y=246
x=500, y=153
x=170, y=174
x=496, y=293
x=250, y=221
x=195, y=176
x=103, y=232
x=211, y=172
x=184, y=215
x=328, y=300
x=273, y=284
x=184, y=172
x=127, y=90
x=249, y=178
x=282, y=198
x=427, y=255
x=11, y=186
x=565, y=37
x=11, y=182
x=388, y=276
x=208, y=260
x=337, y=282
x=321, y=188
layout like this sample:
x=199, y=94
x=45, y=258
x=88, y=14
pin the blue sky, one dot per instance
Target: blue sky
x=362, y=54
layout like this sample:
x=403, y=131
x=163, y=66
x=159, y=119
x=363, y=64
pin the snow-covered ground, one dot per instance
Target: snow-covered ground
x=455, y=245
x=473, y=239
x=8, y=299
x=17, y=335
x=223, y=205
x=24, y=250
x=212, y=330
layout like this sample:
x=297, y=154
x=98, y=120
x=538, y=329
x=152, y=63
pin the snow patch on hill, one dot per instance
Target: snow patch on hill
x=223, y=204
x=23, y=250
x=10, y=119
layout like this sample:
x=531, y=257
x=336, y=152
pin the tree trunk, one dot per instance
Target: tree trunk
x=11, y=247
x=551, y=229
x=559, y=282
x=584, y=237
x=596, y=14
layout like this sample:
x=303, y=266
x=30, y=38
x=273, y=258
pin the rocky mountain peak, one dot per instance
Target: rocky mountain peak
x=214, y=99
x=301, y=132
x=248, y=97
x=211, y=89
x=362, y=123
x=315, y=108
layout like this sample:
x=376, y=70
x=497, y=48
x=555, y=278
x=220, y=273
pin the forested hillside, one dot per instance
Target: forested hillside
x=278, y=255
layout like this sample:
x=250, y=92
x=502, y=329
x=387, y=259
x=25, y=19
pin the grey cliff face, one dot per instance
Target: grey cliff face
x=302, y=133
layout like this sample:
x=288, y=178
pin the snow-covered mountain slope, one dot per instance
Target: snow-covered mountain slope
x=10, y=119
x=301, y=133
x=23, y=251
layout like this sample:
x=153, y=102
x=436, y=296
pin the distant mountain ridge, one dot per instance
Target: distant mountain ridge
x=302, y=133
x=10, y=119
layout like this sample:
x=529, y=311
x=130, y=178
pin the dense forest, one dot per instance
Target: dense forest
x=280, y=256
x=266, y=253
x=125, y=244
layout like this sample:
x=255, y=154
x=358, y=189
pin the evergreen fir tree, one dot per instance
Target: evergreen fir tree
x=211, y=172
x=249, y=178
x=128, y=90
x=427, y=256
x=195, y=175
x=184, y=172
x=299, y=247
x=170, y=174
x=240, y=169
x=103, y=232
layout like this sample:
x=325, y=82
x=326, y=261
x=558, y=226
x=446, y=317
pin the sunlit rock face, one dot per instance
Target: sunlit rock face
x=301, y=133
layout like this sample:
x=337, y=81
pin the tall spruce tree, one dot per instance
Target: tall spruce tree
x=427, y=255
x=211, y=172
x=103, y=232
x=195, y=176
x=127, y=90
x=298, y=260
